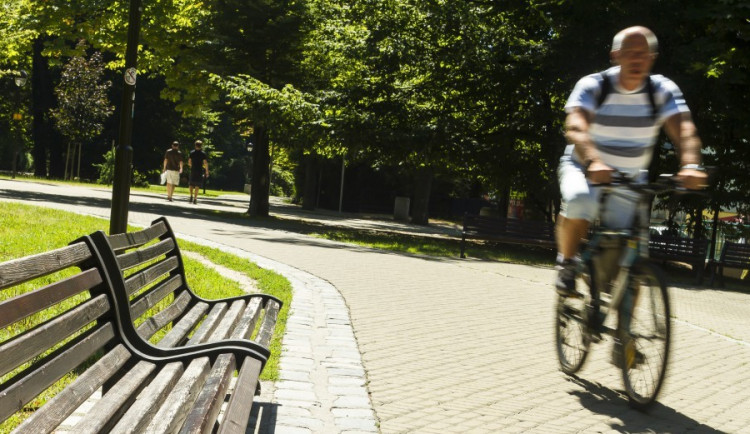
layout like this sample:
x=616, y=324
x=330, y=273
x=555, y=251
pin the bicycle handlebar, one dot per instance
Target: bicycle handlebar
x=663, y=184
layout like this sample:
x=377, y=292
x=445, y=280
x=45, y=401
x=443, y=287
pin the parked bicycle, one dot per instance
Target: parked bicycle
x=621, y=294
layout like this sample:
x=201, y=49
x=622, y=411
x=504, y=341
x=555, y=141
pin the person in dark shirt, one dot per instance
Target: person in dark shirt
x=198, y=168
x=172, y=168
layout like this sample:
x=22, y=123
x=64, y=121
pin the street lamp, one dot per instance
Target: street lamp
x=20, y=79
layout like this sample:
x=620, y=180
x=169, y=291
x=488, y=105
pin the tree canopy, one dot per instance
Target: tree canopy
x=463, y=93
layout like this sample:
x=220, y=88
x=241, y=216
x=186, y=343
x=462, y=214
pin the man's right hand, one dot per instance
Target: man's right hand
x=599, y=173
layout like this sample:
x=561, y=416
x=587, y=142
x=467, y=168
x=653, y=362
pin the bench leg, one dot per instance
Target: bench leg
x=463, y=246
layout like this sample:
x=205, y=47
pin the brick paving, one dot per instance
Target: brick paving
x=449, y=345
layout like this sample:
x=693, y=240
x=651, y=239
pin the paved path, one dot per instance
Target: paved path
x=459, y=346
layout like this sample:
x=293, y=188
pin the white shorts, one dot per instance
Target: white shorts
x=173, y=177
x=580, y=199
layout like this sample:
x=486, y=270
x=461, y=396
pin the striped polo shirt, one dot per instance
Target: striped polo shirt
x=623, y=127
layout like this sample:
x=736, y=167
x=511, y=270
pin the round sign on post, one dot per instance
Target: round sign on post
x=130, y=76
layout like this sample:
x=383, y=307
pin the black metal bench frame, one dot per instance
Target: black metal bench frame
x=733, y=255
x=678, y=249
x=512, y=231
x=114, y=354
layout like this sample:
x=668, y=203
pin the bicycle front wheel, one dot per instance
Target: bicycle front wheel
x=572, y=334
x=645, y=335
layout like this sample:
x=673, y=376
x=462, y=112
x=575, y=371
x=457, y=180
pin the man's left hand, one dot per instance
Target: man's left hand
x=693, y=179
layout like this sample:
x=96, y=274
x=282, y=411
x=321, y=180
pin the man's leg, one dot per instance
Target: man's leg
x=170, y=190
x=569, y=233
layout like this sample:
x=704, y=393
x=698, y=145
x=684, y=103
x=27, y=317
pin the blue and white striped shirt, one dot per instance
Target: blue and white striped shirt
x=622, y=127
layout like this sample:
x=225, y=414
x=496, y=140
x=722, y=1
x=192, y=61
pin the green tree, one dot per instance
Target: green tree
x=83, y=105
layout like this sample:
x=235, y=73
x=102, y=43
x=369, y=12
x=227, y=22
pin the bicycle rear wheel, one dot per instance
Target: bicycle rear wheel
x=572, y=334
x=645, y=342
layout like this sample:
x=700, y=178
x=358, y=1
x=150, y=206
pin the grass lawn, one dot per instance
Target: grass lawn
x=50, y=229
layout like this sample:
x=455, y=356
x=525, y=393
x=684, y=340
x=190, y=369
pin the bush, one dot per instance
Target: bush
x=107, y=172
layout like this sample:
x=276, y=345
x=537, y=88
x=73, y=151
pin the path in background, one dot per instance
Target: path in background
x=453, y=345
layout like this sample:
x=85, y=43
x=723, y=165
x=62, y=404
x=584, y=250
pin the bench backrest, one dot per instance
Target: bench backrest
x=516, y=228
x=153, y=273
x=54, y=317
x=663, y=246
x=735, y=254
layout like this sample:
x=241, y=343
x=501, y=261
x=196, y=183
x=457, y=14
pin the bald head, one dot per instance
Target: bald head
x=635, y=32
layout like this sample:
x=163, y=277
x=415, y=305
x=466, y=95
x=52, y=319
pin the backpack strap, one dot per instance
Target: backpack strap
x=650, y=92
x=606, y=89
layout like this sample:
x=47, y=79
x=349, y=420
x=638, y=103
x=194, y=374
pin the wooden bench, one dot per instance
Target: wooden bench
x=63, y=318
x=512, y=231
x=691, y=251
x=733, y=255
x=148, y=267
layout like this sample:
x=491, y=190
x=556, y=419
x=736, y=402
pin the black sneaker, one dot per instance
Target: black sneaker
x=565, y=283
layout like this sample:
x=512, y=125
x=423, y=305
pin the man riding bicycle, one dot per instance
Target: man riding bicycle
x=613, y=120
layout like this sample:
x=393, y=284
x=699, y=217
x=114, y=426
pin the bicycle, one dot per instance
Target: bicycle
x=616, y=278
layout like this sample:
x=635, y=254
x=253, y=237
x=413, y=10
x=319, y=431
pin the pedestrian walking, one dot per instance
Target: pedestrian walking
x=172, y=168
x=198, y=163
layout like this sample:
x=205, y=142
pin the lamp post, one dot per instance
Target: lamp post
x=20, y=81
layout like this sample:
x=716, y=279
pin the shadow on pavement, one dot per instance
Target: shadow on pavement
x=659, y=418
x=243, y=226
x=263, y=418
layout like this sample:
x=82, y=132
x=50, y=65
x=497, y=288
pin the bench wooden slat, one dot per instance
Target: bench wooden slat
x=130, y=240
x=228, y=321
x=209, y=324
x=208, y=403
x=107, y=410
x=156, y=322
x=150, y=398
x=508, y=230
x=146, y=254
x=175, y=409
x=184, y=326
x=27, y=388
x=24, y=269
x=148, y=402
x=269, y=322
x=62, y=405
x=237, y=412
x=191, y=386
x=25, y=347
x=149, y=299
x=246, y=325
x=29, y=303
x=733, y=255
x=127, y=389
x=148, y=275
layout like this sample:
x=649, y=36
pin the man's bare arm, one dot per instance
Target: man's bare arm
x=684, y=136
x=577, y=133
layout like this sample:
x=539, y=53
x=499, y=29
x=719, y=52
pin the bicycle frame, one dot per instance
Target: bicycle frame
x=635, y=245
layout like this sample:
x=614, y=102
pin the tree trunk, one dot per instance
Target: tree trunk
x=42, y=100
x=78, y=172
x=422, y=189
x=503, y=202
x=260, y=182
x=310, y=193
x=67, y=160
